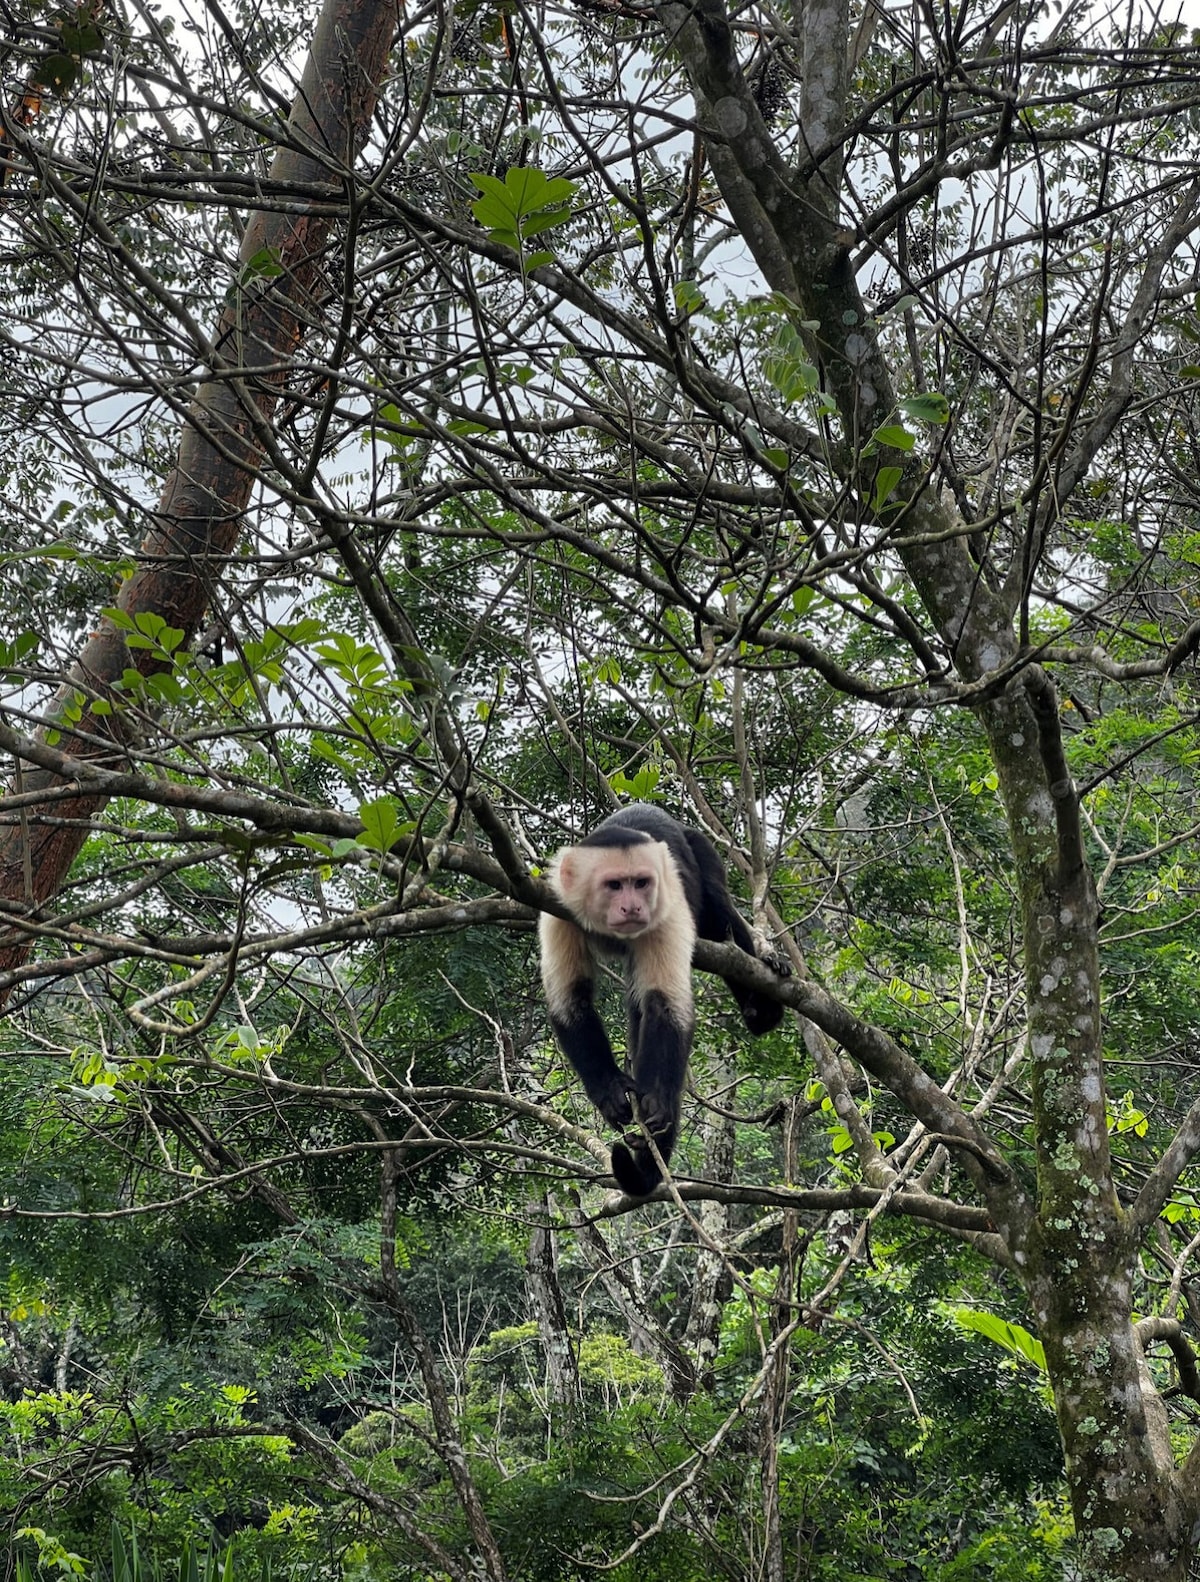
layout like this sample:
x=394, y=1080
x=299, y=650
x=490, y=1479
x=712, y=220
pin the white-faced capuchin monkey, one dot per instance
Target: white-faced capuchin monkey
x=641, y=887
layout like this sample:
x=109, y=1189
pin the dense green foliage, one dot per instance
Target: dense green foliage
x=786, y=417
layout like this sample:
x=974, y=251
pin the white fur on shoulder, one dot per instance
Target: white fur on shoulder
x=566, y=961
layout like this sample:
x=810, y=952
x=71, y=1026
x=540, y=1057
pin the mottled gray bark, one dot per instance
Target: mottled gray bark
x=1071, y=1243
x=541, y=1266
x=711, y=1281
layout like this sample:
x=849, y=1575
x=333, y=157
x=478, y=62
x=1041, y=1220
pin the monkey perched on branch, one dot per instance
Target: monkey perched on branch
x=641, y=887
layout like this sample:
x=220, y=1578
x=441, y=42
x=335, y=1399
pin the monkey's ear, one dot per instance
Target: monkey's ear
x=566, y=870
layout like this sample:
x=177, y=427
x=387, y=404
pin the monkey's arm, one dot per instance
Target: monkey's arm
x=569, y=979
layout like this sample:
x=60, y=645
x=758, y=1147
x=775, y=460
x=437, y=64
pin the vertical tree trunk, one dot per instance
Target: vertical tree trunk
x=775, y=1388
x=1135, y=1510
x=562, y=1374
x=710, y=1278
x=199, y=516
x=446, y=1438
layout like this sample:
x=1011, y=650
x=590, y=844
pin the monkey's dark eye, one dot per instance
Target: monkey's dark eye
x=641, y=884
x=612, y=884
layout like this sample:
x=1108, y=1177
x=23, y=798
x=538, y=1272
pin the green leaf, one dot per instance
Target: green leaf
x=1012, y=1337
x=315, y=843
x=491, y=211
x=81, y=38
x=521, y=206
x=264, y=265
x=639, y=786
x=18, y=649
x=886, y=480
x=147, y=629
x=787, y=366
x=536, y=223
x=841, y=1139
x=894, y=437
x=59, y=550
x=56, y=72
x=689, y=298
x=381, y=823
x=930, y=408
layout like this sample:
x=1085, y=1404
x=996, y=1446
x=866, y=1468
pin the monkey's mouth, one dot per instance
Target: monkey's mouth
x=630, y=925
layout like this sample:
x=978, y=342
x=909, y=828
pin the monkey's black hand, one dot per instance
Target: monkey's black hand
x=771, y=957
x=635, y=1167
x=760, y=1013
x=613, y=1103
x=657, y=1112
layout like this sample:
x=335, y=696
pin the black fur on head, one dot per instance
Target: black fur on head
x=615, y=835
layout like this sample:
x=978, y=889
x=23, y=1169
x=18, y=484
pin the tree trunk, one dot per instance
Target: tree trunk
x=711, y=1280
x=199, y=516
x=1135, y=1511
x=562, y=1374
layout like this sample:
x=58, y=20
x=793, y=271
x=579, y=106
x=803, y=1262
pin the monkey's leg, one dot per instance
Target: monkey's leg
x=760, y=1013
x=659, y=1064
x=660, y=1044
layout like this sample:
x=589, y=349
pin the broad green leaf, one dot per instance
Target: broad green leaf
x=639, y=786
x=81, y=38
x=492, y=212
x=381, y=823
x=1012, y=1337
x=543, y=221
x=886, y=480
x=264, y=265
x=894, y=437
x=688, y=297
x=929, y=408
x=56, y=72
x=521, y=206
x=18, y=649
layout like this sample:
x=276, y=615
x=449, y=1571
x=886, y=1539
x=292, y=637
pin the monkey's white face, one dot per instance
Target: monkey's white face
x=624, y=900
x=616, y=891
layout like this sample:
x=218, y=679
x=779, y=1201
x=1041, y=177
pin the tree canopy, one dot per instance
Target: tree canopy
x=429, y=429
